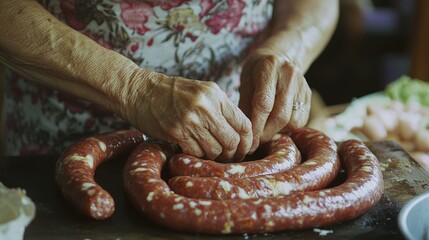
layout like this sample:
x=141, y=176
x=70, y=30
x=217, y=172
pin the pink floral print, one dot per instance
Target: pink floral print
x=202, y=40
x=225, y=15
x=135, y=15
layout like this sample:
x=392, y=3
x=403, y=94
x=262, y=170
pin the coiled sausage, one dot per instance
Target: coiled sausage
x=151, y=194
x=282, y=154
x=320, y=167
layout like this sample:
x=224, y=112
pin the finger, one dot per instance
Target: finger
x=228, y=138
x=263, y=99
x=192, y=147
x=208, y=143
x=300, y=116
x=239, y=131
x=279, y=117
x=281, y=114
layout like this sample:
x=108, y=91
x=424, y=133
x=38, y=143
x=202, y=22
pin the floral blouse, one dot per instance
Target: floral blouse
x=202, y=40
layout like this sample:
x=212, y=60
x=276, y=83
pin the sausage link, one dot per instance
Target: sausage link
x=151, y=194
x=282, y=155
x=317, y=171
x=77, y=164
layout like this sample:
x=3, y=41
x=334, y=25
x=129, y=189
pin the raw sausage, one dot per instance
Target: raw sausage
x=282, y=154
x=76, y=167
x=317, y=171
x=151, y=194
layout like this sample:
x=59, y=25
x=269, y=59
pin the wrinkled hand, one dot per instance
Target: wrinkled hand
x=270, y=85
x=196, y=115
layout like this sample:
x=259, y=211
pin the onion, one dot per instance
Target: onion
x=388, y=117
x=374, y=128
x=408, y=123
x=422, y=158
x=413, y=106
x=421, y=140
x=397, y=106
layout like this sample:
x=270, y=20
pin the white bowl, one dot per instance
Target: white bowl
x=414, y=218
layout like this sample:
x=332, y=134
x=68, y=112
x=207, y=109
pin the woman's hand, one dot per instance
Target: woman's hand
x=194, y=114
x=274, y=94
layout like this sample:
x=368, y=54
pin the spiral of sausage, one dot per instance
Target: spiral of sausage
x=282, y=154
x=152, y=195
x=320, y=167
x=243, y=208
x=76, y=166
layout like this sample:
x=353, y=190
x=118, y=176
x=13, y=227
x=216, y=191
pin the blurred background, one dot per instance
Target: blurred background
x=376, y=41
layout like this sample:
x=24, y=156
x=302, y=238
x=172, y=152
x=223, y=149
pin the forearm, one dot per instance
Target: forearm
x=43, y=49
x=300, y=29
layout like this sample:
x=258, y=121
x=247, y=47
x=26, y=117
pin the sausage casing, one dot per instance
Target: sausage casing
x=151, y=195
x=320, y=167
x=76, y=166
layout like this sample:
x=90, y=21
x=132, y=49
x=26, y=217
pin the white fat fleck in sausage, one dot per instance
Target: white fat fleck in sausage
x=197, y=212
x=189, y=184
x=276, y=137
x=102, y=145
x=226, y=186
x=141, y=169
x=186, y=160
x=267, y=212
x=307, y=199
x=366, y=169
x=91, y=192
x=310, y=163
x=205, y=203
x=235, y=168
x=243, y=194
x=87, y=185
x=178, y=206
x=192, y=204
x=150, y=196
x=229, y=224
x=163, y=156
x=88, y=159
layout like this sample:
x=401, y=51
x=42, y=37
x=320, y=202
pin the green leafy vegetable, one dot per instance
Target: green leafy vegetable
x=406, y=89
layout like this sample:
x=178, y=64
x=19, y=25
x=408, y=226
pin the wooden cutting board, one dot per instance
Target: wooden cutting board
x=55, y=219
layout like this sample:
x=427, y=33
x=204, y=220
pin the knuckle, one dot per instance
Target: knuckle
x=177, y=134
x=211, y=85
x=190, y=149
x=246, y=128
x=270, y=59
x=214, y=153
x=210, y=88
x=263, y=103
x=232, y=142
x=200, y=100
x=291, y=67
x=189, y=119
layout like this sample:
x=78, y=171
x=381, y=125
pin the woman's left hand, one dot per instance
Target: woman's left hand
x=274, y=94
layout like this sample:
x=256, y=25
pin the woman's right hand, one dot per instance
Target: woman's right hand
x=196, y=115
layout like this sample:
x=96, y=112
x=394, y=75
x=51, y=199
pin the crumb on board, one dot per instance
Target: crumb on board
x=322, y=232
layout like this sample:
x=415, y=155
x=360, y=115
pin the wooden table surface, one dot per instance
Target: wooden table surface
x=55, y=219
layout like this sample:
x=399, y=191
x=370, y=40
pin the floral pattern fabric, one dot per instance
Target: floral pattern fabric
x=203, y=40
